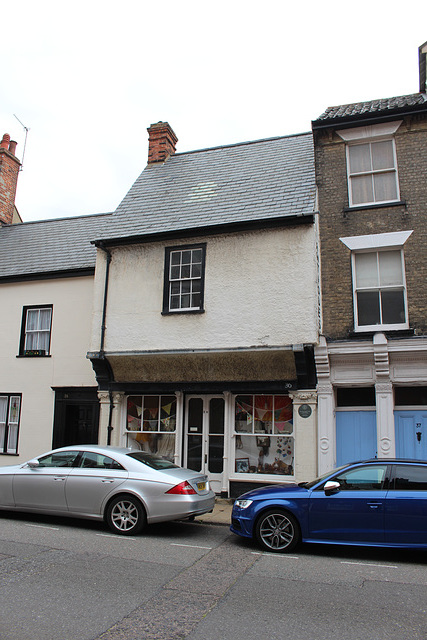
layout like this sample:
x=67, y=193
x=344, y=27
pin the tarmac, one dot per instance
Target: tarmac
x=221, y=513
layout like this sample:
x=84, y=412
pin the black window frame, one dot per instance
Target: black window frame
x=31, y=353
x=167, y=310
x=3, y=445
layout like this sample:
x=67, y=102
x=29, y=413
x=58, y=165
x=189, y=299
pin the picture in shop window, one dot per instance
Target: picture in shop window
x=263, y=434
x=151, y=424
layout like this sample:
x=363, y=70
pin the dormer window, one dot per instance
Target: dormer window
x=371, y=164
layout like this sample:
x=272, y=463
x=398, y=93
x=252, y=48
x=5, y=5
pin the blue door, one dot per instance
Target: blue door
x=411, y=434
x=356, y=436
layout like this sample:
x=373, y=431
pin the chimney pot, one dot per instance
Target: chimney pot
x=5, y=141
x=161, y=142
x=12, y=147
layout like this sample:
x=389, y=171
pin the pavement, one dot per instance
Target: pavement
x=221, y=513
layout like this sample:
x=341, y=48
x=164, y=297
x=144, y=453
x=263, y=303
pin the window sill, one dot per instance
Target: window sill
x=183, y=311
x=375, y=205
x=3, y=453
x=21, y=355
x=391, y=333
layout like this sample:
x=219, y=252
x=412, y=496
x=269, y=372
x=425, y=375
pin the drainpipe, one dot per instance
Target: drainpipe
x=102, y=246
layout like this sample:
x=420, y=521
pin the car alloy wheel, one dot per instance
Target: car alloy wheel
x=277, y=530
x=125, y=515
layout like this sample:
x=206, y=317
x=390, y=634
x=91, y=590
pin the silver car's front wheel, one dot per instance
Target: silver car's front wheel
x=125, y=515
x=277, y=530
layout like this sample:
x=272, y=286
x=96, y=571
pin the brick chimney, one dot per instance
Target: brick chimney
x=422, y=55
x=9, y=169
x=161, y=142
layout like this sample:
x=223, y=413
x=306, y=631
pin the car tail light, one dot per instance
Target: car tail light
x=184, y=488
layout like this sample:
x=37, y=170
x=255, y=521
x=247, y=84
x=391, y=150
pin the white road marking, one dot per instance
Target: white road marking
x=111, y=535
x=371, y=564
x=43, y=526
x=192, y=546
x=275, y=555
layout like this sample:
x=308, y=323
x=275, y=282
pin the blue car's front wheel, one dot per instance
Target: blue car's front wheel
x=277, y=530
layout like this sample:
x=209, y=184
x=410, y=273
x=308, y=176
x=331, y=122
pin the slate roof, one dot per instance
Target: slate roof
x=37, y=248
x=380, y=107
x=246, y=182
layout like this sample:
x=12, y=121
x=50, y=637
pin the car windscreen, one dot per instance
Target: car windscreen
x=155, y=462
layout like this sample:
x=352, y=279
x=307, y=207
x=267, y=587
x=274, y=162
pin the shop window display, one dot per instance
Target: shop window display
x=151, y=424
x=263, y=435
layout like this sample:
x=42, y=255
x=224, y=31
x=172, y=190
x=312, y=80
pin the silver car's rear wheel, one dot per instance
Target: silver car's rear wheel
x=277, y=530
x=125, y=515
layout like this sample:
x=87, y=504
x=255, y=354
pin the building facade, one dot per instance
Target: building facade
x=48, y=390
x=371, y=173
x=205, y=314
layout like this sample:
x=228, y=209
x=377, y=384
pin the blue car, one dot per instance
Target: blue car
x=381, y=503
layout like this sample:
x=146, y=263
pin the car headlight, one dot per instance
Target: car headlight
x=243, y=504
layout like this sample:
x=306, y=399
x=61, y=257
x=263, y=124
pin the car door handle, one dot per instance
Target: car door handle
x=59, y=478
x=107, y=480
x=375, y=505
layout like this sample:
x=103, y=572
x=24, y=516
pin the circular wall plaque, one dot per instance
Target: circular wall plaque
x=304, y=411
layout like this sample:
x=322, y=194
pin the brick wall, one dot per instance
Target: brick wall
x=9, y=169
x=335, y=222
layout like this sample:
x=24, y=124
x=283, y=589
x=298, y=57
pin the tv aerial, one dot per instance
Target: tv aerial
x=26, y=129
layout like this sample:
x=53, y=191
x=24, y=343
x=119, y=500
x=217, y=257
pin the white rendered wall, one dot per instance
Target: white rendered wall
x=34, y=377
x=260, y=290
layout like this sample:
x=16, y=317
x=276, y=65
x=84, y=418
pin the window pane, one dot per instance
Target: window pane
x=174, y=302
x=134, y=412
x=283, y=414
x=390, y=263
x=175, y=273
x=359, y=156
x=15, y=403
x=185, y=302
x=186, y=286
x=185, y=271
x=363, y=478
x=243, y=415
x=410, y=478
x=385, y=186
x=45, y=315
x=382, y=155
x=186, y=257
x=368, y=308
x=393, y=307
x=196, y=270
x=195, y=301
x=362, y=189
x=366, y=270
x=267, y=455
x=197, y=256
x=151, y=413
x=168, y=413
x=3, y=409
x=32, y=319
x=175, y=257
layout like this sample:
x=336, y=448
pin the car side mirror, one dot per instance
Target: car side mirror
x=332, y=486
x=33, y=464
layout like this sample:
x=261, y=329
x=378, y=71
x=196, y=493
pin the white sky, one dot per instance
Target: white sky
x=88, y=77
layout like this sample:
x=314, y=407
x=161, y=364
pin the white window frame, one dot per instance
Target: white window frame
x=375, y=244
x=370, y=135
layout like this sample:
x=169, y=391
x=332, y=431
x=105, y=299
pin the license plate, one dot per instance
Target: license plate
x=201, y=486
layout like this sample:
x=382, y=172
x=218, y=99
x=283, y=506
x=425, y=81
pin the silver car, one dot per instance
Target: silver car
x=126, y=488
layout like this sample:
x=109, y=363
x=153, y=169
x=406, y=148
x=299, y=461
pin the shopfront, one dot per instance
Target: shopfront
x=239, y=440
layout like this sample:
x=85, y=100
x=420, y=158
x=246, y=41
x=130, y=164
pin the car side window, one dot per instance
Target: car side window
x=362, y=478
x=59, y=459
x=90, y=460
x=410, y=478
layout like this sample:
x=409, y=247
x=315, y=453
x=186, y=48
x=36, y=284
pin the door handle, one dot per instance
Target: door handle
x=419, y=436
x=59, y=478
x=375, y=505
x=107, y=480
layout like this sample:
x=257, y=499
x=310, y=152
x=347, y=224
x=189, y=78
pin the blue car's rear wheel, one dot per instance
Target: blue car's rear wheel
x=125, y=515
x=277, y=530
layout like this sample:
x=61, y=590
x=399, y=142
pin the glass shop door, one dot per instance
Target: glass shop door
x=204, y=437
